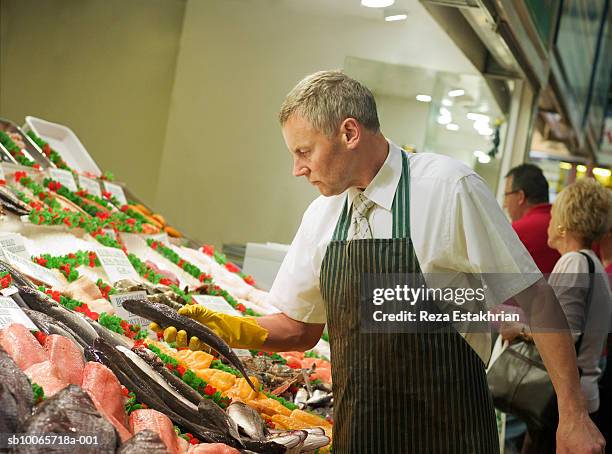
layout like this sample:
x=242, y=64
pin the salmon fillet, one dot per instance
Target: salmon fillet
x=22, y=346
x=64, y=354
x=47, y=376
x=156, y=422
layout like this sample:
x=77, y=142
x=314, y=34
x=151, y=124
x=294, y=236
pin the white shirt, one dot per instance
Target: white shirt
x=456, y=226
x=570, y=281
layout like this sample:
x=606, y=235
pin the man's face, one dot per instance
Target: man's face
x=323, y=160
x=513, y=201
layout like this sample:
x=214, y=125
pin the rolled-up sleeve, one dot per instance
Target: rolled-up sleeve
x=296, y=291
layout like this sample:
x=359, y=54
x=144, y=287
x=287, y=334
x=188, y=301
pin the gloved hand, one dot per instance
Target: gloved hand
x=236, y=331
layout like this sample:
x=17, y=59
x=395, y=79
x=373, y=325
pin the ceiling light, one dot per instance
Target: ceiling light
x=447, y=102
x=601, y=172
x=581, y=168
x=444, y=120
x=396, y=17
x=478, y=117
x=455, y=93
x=478, y=153
x=485, y=132
x=484, y=159
x=565, y=166
x=452, y=127
x=423, y=98
x=377, y=3
x=445, y=112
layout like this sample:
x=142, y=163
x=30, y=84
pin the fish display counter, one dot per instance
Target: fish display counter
x=84, y=270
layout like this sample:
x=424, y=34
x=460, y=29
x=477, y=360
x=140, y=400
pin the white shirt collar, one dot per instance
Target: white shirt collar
x=381, y=189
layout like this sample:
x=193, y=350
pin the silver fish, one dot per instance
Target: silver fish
x=301, y=397
x=314, y=442
x=319, y=398
x=247, y=419
x=290, y=439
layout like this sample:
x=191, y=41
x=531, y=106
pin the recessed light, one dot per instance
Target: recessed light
x=567, y=166
x=396, y=17
x=444, y=119
x=581, y=168
x=447, y=102
x=484, y=159
x=452, y=127
x=377, y=3
x=478, y=117
x=455, y=93
x=601, y=172
x=423, y=98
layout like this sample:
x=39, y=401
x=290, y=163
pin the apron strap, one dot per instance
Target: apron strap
x=400, y=208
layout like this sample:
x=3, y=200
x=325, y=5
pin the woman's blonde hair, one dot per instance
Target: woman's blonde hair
x=583, y=208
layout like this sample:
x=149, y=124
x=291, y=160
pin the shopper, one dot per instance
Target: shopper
x=580, y=215
x=526, y=201
x=383, y=211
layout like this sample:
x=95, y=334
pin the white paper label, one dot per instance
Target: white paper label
x=162, y=237
x=15, y=244
x=116, y=264
x=117, y=302
x=241, y=352
x=215, y=303
x=117, y=191
x=90, y=185
x=11, y=313
x=33, y=270
x=64, y=177
x=2, y=176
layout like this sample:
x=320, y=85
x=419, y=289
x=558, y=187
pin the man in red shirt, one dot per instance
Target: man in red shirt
x=526, y=200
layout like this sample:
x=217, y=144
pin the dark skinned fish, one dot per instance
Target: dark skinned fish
x=169, y=317
x=213, y=414
x=144, y=441
x=147, y=393
x=18, y=278
x=49, y=325
x=9, y=198
x=70, y=411
x=40, y=302
x=179, y=385
x=16, y=396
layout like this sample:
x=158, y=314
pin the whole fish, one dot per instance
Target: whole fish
x=144, y=441
x=213, y=414
x=168, y=317
x=16, y=396
x=301, y=396
x=248, y=420
x=315, y=441
x=40, y=302
x=291, y=440
x=179, y=385
x=18, y=278
x=109, y=336
x=70, y=412
x=9, y=198
x=49, y=325
x=319, y=398
x=147, y=392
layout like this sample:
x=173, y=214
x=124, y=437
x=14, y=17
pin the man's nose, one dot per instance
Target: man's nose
x=299, y=169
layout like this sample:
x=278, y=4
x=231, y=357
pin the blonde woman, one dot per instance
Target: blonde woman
x=580, y=215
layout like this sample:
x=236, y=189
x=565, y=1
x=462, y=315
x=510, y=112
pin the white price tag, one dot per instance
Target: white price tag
x=33, y=270
x=64, y=177
x=241, y=352
x=117, y=191
x=117, y=302
x=116, y=264
x=2, y=176
x=10, y=312
x=215, y=303
x=90, y=185
x=162, y=237
x=14, y=243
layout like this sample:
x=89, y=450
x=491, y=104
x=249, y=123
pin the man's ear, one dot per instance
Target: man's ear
x=522, y=199
x=350, y=132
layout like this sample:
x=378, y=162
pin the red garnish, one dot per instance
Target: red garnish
x=209, y=390
x=208, y=249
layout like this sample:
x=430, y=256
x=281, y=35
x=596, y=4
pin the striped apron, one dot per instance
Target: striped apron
x=398, y=392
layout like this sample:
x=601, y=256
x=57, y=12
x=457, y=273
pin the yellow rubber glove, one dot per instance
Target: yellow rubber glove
x=236, y=331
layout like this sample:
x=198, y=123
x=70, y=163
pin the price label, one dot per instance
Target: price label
x=117, y=301
x=215, y=303
x=14, y=243
x=116, y=264
x=90, y=185
x=116, y=191
x=64, y=177
x=162, y=237
x=33, y=270
x=2, y=176
x=11, y=313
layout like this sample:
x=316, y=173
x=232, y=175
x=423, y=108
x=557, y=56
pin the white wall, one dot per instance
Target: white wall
x=225, y=173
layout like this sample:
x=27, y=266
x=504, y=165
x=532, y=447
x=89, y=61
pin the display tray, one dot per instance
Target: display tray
x=63, y=140
x=31, y=150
